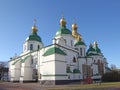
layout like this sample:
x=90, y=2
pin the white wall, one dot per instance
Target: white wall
x=61, y=39
x=95, y=69
x=14, y=69
x=26, y=45
x=26, y=69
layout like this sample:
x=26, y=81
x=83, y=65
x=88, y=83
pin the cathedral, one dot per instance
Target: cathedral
x=64, y=61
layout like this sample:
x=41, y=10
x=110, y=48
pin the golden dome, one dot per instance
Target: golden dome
x=62, y=22
x=34, y=28
x=74, y=26
x=95, y=43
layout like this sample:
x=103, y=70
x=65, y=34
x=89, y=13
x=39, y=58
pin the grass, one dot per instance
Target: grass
x=103, y=86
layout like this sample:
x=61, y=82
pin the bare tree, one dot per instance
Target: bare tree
x=3, y=71
x=113, y=67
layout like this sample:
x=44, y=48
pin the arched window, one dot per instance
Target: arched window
x=98, y=61
x=24, y=47
x=65, y=41
x=74, y=59
x=71, y=43
x=31, y=46
x=32, y=61
x=84, y=51
x=80, y=51
x=38, y=47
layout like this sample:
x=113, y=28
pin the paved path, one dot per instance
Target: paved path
x=23, y=86
x=116, y=89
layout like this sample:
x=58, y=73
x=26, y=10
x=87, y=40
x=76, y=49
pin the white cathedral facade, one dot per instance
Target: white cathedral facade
x=64, y=61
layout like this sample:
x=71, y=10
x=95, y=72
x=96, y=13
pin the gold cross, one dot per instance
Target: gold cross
x=34, y=21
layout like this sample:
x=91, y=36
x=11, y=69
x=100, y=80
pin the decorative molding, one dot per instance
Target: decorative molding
x=53, y=60
x=50, y=75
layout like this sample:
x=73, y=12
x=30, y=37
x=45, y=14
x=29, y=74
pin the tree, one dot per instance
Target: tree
x=3, y=70
x=113, y=67
x=112, y=76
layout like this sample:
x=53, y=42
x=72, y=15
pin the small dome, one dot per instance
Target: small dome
x=62, y=22
x=95, y=43
x=34, y=37
x=93, y=50
x=97, y=50
x=96, y=47
x=63, y=30
x=80, y=43
x=34, y=29
x=74, y=26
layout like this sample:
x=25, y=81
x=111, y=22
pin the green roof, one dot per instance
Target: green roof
x=80, y=43
x=63, y=30
x=23, y=60
x=54, y=50
x=93, y=51
x=76, y=71
x=91, y=54
x=16, y=61
x=97, y=50
x=34, y=37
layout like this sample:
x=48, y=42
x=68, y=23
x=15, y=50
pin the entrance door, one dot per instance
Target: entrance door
x=35, y=75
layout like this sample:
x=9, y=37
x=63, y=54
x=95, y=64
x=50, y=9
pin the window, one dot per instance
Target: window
x=71, y=43
x=40, y=76
x=74, y=59
x=98, y=61
x=84, y=51
x=24, y=47
x=38, y=47
x=68, y=76
x=31, y=61
x=31, y=46
x=80, y=51
x=65, y=41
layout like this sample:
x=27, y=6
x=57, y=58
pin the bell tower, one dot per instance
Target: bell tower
x=33, y=42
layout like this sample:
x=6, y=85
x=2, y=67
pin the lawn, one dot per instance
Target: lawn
x=103, y=86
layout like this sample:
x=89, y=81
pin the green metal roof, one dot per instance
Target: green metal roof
x=23, y=60
x=63, y=30
x=80, y=43
x=16, y=61
x=97, y=50
x=34, y=37
x=91, y=54
x=54, y=50
x=93, y=51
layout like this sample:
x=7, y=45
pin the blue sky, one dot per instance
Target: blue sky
x=96, y=19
